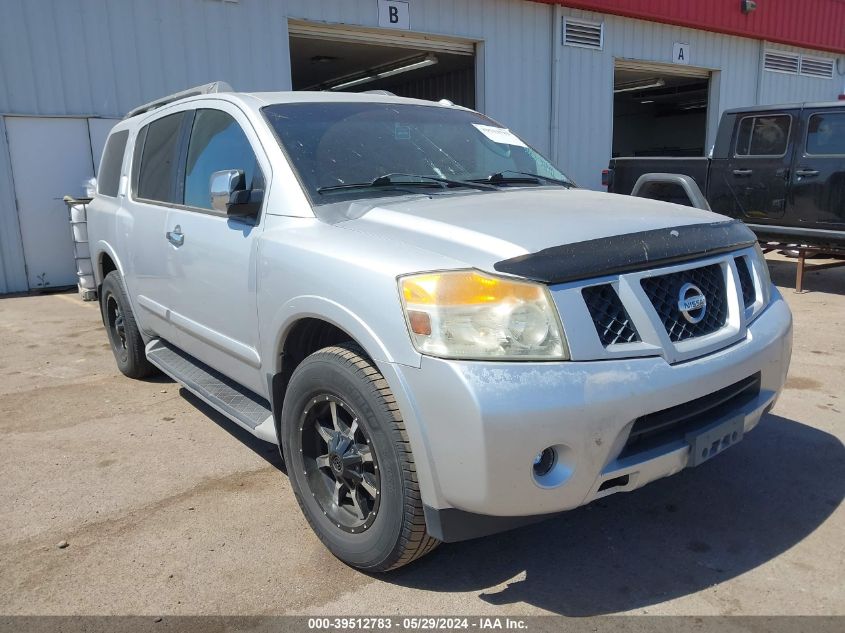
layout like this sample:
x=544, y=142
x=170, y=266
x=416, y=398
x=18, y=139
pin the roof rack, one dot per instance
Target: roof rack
x=213, y=87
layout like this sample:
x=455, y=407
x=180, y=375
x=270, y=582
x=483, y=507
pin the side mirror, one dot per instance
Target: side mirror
x=229, y=194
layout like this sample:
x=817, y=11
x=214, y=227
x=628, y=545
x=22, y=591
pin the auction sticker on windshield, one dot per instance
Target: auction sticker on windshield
x=499, y=135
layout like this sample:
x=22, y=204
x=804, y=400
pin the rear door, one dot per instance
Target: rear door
x=214, y=280
x=142, y=226
x=757, y=173
x=818, y=179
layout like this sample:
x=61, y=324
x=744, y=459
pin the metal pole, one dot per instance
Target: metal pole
x=554, y=114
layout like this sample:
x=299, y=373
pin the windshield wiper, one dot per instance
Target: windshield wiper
x=499, y=178
x=387, y=180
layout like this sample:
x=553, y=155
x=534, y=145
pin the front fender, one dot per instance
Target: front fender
x=316, y=307
x=389, y=356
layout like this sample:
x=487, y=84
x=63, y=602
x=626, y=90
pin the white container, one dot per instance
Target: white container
x=80, y=232
x=86, y=282
x=83, y=267
x=77, y=213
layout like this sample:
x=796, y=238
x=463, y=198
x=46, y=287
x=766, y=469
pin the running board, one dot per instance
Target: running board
x=233, y=400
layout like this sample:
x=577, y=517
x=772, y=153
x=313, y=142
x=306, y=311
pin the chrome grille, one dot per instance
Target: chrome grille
x=746, y=283
x=664, y=291
x=613, y=324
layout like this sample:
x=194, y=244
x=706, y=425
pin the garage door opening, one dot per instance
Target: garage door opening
x=420, y=68
x=658, y=113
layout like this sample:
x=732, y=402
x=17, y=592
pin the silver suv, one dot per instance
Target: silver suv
x=443, y=334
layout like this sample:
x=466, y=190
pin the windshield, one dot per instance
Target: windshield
x=334, y=145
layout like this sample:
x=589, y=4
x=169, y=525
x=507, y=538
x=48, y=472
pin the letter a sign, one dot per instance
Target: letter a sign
x=393, y=14
x=680, y=53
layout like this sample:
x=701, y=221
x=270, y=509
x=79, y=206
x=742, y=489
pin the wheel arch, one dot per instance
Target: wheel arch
x=104, y=261
x=310, y=323
x=329, y=331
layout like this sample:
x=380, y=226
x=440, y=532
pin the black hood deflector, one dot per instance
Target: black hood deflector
x=625, y=253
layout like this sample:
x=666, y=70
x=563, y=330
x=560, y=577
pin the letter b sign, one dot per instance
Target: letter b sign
x=394, y=14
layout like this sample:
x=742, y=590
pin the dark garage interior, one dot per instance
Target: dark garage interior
x=326, y=64
x=659, y=114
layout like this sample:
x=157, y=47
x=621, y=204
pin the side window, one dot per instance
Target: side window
x=159, y=159
x=826, y=134
x=108, y=180
x=763, y=135
x=217, y=143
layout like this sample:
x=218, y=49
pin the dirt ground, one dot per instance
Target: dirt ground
x=168, y=508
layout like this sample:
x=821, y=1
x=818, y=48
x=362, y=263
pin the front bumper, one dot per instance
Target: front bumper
x=477, y=426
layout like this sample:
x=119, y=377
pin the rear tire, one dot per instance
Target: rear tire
x=350, y=462
x=124, y=335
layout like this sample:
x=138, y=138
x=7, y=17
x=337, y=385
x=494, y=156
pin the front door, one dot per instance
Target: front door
x=818, y=180
x=757, y=173
x=214, y=266
x=51, y=158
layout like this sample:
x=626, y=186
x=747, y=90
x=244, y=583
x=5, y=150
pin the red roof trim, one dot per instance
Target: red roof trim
x=817, y=24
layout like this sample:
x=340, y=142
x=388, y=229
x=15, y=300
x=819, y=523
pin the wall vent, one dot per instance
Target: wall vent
x=583, y=33
x=781, y=62
x=817, y=67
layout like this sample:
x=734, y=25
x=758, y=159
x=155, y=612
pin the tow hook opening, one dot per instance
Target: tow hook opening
x=616, y=482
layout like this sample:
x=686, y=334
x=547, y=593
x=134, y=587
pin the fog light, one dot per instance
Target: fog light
x=544, y=462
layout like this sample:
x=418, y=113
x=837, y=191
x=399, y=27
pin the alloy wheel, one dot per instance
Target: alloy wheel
x=117, y=324
x=341, y=468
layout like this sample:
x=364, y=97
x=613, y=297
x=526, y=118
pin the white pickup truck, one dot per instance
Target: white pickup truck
x=443, y=334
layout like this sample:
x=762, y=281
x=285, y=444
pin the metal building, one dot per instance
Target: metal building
x=581, y=80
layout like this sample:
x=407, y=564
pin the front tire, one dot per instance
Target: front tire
x=350, y=461
x=124, y=335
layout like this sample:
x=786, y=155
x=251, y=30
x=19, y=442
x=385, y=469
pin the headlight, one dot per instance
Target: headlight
x=763, y=273
x=467, y=314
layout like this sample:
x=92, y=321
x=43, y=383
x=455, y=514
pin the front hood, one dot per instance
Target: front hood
x=483, y=228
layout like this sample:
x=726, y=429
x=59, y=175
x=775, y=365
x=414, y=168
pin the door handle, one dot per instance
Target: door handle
x=175, y=237
x=806, y=173
x=743, y=172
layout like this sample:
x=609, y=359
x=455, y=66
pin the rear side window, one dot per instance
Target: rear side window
x=763, y=135
x=217, y=143
x=108, y=180
x=157, y=173
x=826, y=134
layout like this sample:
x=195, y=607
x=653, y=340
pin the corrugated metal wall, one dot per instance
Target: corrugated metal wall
x=783, y=88
x=104, y=57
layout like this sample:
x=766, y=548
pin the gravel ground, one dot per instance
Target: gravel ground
x=126, y=497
